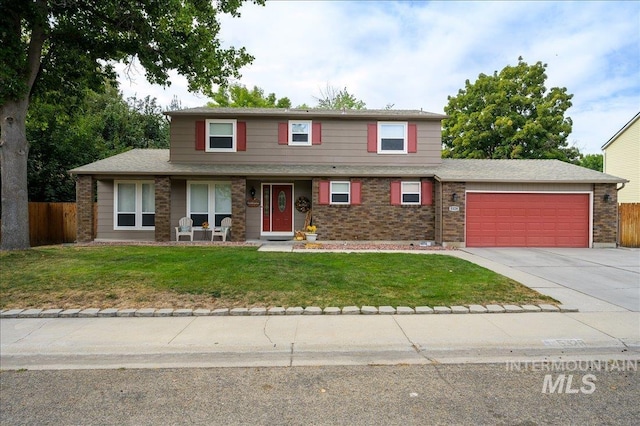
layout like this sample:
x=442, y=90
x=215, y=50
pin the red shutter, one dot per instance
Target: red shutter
x=283, y=133
x=396, y=193
x=413, y=138
x=356, y=193
x=316, y=134
x=241, y=134
x=323, y=192
x=200, y=135
x=427, y=193
x=372, y=137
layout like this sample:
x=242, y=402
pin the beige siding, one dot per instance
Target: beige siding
x=528, y=187
x=622, y=159
x=343, y=142
x=105, y=218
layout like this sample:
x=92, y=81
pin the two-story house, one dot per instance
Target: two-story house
x=367, y=175
x=622, y=158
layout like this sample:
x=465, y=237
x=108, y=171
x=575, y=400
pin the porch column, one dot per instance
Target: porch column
x=605, y=215
x=239, y=208
x=453, y=220
x=163, y=208
x=84, y=206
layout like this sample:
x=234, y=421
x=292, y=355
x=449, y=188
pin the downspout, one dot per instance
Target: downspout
x=618, y=215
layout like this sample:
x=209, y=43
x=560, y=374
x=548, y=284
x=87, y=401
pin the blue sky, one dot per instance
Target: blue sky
x=413, y=54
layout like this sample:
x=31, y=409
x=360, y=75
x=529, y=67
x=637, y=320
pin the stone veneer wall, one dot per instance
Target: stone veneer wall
x=238, y=208
x=163, y=208
x=375, y=218
x=605, y=215
x=453, y=222
x=84, y=202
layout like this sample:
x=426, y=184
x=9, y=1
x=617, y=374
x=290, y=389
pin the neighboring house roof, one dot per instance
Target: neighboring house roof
x=156, y=162
x=369, y=114
x=621, y=131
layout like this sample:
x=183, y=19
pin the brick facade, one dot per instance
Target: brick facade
x=85, y=194
x=163, y=208
x=452, y=222
x=375, y=218
x=605, y=215
x=238, y=208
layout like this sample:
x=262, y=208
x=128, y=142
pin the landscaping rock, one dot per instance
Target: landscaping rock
x=256, y=312
x=201, y=312
x=567, y=308
x=350, y=310
x=278, y=310
x=164, y=312
x=294, y=310
x=441, y=310
x=312, y=310
x=88, y=313
x=239, y=312
x=459, y=310
x=11, y=313
x=145, y=312
x=386, y=310
x=108, y=312
x=495, y=309
x=512, y=309
x=423, y=310
x=126, y=313
x=219, y=312
x=331, y=311
x=183, y=312
x=549, y=308
x=404, y=310
x=50, y=313
x=531, y=308
x=69, y=313
x=368, y=310
x=477, y=309
x=30, y=313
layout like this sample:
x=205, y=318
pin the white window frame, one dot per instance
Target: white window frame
x=405, y=132
x=309, y=123
x=211, y=201
x=138, y=205
x=234, y=135
x=404, y=192
x=332, y=192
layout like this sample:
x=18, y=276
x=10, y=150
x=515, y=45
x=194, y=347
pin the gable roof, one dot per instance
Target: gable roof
x=348, y=114
x=151, y=162
x=621, y=131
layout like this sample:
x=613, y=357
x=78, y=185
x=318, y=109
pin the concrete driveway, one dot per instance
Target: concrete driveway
x=610, y=277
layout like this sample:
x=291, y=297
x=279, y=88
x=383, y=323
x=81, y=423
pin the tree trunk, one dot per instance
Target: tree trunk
x=14, y=150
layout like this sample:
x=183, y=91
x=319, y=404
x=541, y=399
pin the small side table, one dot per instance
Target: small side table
x=204, y=233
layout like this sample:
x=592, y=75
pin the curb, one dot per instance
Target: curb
x=298, y=310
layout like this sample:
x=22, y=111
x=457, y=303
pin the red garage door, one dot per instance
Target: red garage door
x=527, y=220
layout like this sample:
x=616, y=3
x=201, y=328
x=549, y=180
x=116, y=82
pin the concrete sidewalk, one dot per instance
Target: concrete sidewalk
x=85, y=343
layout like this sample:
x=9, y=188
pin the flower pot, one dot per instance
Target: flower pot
x=311, y=237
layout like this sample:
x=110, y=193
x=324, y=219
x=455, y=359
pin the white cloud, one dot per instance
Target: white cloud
x=415, y=54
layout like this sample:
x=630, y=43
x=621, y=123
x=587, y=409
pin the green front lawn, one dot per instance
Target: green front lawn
x=191, y=277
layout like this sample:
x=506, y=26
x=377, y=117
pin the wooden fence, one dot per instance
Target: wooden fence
x=629, y=224
x=53, y=223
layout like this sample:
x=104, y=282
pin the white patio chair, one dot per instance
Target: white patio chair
x=185, y=228
x=223, y=230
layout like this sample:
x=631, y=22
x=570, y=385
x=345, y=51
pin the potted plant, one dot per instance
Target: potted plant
x=311, y=233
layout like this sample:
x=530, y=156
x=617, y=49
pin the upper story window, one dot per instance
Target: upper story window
x=221, y=135
x=300, y=132
x=392, y=137
x=134, y=205
x=411, y=193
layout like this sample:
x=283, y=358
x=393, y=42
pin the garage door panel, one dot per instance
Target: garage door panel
x=527, y=220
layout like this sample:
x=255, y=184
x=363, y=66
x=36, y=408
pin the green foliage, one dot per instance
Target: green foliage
x=69, y=131
x=592, y=161
x=238, y=96
x=338, y=99
x=509, y=114
x=245, y=277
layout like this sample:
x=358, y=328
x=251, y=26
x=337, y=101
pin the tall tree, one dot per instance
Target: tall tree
x=592, y=161
x=66, y=44
x=509, y=114
x=238, y=96
x=337, y=99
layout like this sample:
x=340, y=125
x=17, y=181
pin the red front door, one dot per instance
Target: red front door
x=278, y=214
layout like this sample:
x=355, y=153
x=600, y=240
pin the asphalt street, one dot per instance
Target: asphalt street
x=356, y=395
